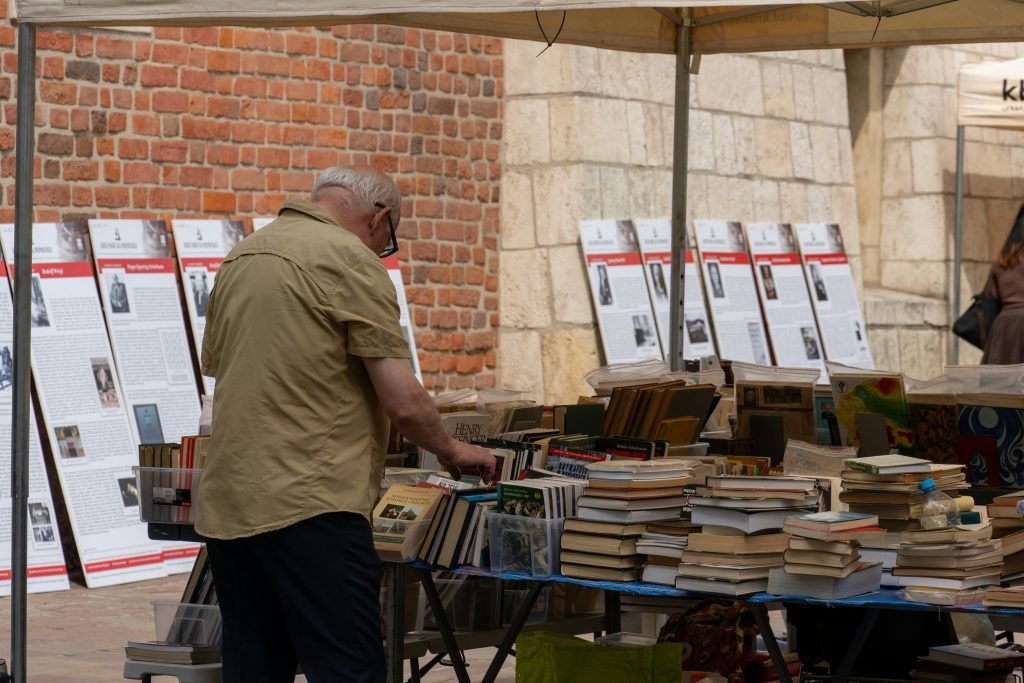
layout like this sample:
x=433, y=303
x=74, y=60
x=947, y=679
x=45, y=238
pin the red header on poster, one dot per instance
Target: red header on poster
x=123, y=563
x=211, y=264
x=627, y=259
x=137, y=265
x=778, y=259
x=728, y=257
x=659, y=256
x=391, y=262
x=827, y=259
x=68, y=269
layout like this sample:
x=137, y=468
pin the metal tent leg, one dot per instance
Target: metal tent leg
x=24, y=164
x=680, y=162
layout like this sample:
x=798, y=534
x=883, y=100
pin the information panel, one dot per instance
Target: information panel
x=46, y=569
x=732, y=295
x=834, y=295
x=779, y=274
x=617, y=284
x=139, y=291
x=261, y=222
x=201, y=246
x=395, y=273
x=84, y=411
x=655, y=238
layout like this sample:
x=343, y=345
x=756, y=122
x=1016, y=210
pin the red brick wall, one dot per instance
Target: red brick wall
x=229, y=122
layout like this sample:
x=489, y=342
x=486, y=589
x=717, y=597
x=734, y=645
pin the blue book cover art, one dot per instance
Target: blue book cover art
x=1004, y=427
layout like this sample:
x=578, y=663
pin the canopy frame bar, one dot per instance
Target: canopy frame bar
x=680, y=156
x=20, y=432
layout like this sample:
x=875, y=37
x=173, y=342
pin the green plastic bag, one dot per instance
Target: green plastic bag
x=543, y=657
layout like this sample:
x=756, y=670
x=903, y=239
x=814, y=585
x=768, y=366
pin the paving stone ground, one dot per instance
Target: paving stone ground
x=79, y=635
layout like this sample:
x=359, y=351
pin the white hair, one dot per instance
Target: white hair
x=366, y=185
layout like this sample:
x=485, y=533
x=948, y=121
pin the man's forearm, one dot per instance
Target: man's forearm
x=420, y=423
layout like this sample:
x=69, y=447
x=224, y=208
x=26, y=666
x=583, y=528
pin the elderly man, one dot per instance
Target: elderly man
x=302, y=336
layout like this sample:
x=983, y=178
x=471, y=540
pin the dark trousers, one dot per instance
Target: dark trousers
x=309, y=594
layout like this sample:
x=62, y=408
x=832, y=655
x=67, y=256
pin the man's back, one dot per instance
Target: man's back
x=298, y=430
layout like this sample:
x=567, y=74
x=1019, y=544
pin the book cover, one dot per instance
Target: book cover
x=883, y=395
x=935, y=430
x=522, y=500
x=992, y=427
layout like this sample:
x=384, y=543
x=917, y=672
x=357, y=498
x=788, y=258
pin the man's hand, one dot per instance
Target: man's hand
x=466, y=455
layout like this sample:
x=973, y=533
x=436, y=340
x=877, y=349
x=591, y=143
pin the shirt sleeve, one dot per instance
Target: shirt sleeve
x=208, y=360
x=366, y=303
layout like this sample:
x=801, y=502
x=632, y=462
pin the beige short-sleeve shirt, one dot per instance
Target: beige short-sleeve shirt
x=298, y=430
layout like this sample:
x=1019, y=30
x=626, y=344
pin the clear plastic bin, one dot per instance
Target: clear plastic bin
x=524, y=544
x=625, y=639
x=167, y=495
x=470, y=604
x=398, y=540
x=178, y=622
x=512, y=598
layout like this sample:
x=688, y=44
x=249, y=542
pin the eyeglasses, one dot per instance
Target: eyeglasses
x=392, y=247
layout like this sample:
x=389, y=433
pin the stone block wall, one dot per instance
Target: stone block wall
x=907, y=241
x=207, y=122
x=589, y=135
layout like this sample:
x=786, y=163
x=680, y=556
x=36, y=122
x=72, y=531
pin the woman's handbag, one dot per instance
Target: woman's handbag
x=976, y=322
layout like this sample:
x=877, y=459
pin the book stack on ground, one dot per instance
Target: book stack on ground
x=967, y=662
x=662, y=546
x=160, y=652
x=888, y=486
x=760, y=669
x=948, y=572
x=823, y=560
x=626, y=493
x=736, y=508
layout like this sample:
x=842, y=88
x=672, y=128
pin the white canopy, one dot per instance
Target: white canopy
x=991, y=94
x=635, y=25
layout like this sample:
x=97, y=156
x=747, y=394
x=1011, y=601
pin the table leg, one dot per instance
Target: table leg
x=764, y=624
x=518, y=621
x=612, y=612
x=441, y=619
x=394, y=622
x=856, y=645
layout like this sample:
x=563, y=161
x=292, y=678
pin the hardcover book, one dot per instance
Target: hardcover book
x=993, y=424
x=859, y=393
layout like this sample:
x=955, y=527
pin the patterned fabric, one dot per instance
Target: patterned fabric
x=716, y=635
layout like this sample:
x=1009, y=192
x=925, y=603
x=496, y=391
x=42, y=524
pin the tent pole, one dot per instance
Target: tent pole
x=679, y=171
x=24, y=166
x=958, y=240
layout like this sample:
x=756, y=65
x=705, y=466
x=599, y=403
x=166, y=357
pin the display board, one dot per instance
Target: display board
x=404, y=319
x=655, y=237
x=201, y=246
x=834, y=295
x=261, y=222
x=788, y=314
x=732, y=294
x=618, y=287
x=139, y=291
x=46, y=569
x=84, y=411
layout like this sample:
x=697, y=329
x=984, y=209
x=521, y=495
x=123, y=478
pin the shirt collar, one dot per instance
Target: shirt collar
x=310, y=209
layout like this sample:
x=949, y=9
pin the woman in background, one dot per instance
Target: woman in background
x=1005, y=343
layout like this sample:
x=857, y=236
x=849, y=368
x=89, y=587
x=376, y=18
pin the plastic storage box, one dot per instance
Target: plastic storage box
x=470, y=604
x=512, y=599
x=178, y=622
x=167, y=495
x=524, y=544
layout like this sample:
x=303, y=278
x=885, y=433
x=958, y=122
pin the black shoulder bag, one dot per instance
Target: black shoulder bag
x=976, y=322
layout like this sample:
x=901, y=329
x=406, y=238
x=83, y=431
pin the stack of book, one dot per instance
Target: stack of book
x=662, y=545
x=967, y=662
x=736, y=508
x=1006, y=519
x=823, y=560
x=963, y=535
x=161, y=652
x=730, y=563
x=962, y=566
x=600, y=550
x=624, y=493
x=888, y=486
x=1004, y=597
